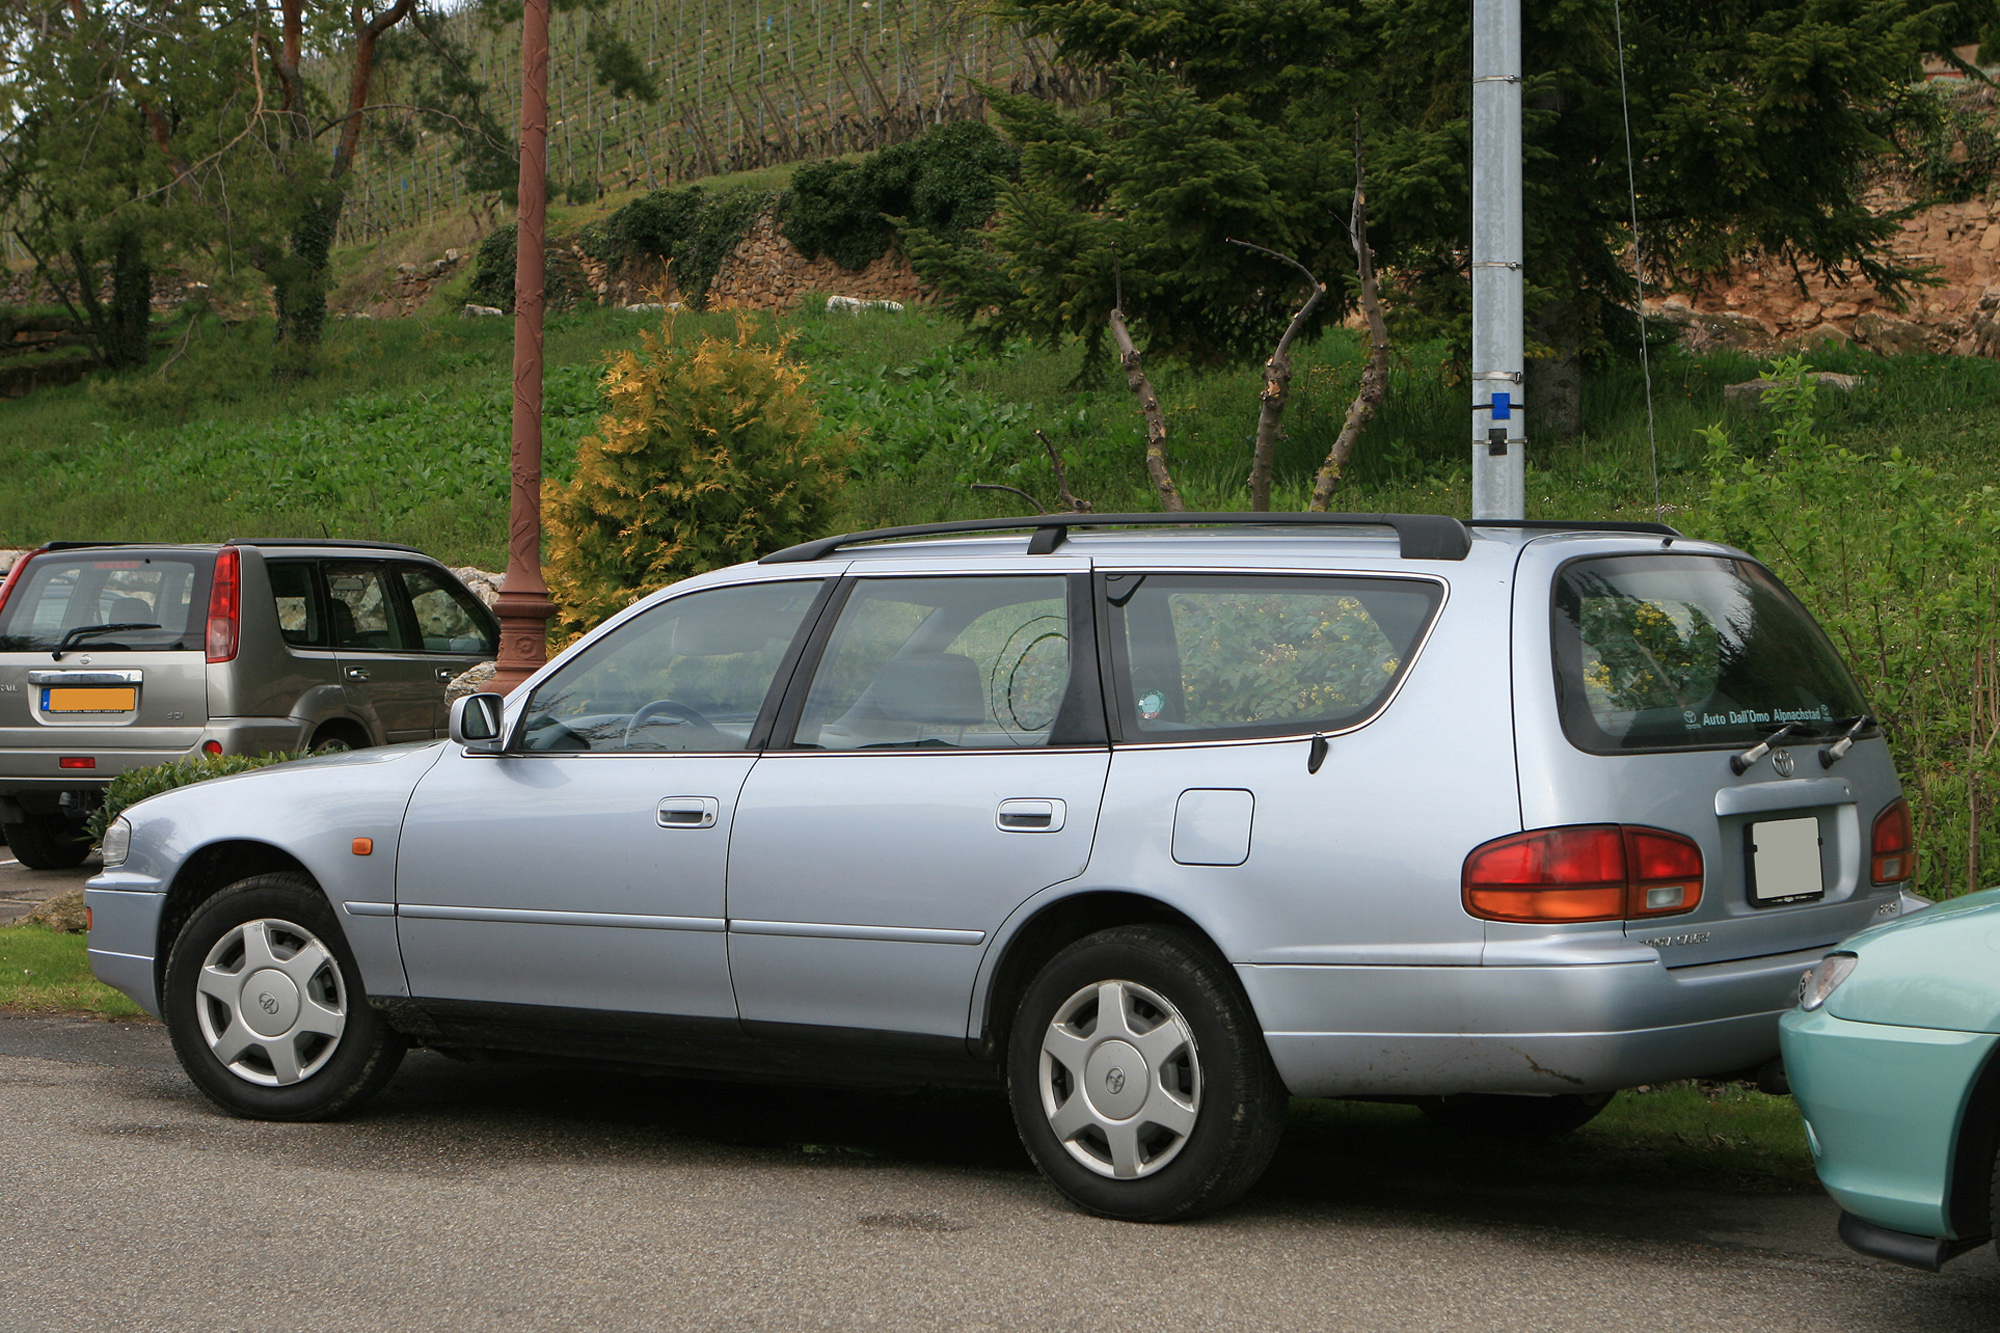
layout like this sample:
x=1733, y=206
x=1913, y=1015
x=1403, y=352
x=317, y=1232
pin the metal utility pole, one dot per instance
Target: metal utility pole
x=1498, y=304
x=523, y=605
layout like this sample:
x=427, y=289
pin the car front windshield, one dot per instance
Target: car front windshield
x=76, y=600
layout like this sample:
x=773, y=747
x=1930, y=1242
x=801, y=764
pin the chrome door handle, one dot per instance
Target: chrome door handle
x=357, y=673
x=689, y=812
x=445, y=674
x=1030, y=816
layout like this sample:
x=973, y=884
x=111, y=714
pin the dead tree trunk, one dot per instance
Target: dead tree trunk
x=1375, y=378
x=1277, y=385
x=1149, y=408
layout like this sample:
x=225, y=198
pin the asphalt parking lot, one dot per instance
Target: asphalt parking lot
x=528, y=1196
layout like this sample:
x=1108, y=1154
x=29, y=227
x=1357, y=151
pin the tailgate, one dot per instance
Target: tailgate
x=112, y=700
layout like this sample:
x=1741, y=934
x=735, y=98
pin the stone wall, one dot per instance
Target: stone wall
x=764, y=272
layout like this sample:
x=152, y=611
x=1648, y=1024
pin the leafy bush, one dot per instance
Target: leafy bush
x=907, y=415
x=1902, y=567
x=691, y=229
x=564, y=283
x=944, y=180
x=710, y=455
x=136, y=784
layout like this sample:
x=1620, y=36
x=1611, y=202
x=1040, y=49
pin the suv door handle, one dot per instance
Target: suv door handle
x=689, y=812
x=1030, y=816
x=357, y=673
x=445, y=674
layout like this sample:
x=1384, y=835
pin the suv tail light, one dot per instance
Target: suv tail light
x=1595, y=872
x=14, y=574
x=1894, y=844
x=225, y=605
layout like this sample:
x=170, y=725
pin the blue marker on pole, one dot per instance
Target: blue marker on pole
x=1503, y=405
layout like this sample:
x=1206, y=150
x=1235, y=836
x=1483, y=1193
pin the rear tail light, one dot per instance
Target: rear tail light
x=14, y=574
x=1597, y=872
x=1894, y=844
x=76, y=761
x=225, y=604
x=211, y=748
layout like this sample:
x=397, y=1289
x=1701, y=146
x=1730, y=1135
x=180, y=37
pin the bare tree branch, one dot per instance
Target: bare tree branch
x=1277, y=384
x=1375, y=378
x=1064, y=496
x=989, y=486
x=1149, y=402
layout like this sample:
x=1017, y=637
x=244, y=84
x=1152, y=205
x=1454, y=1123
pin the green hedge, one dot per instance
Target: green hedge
x=691, y=228
x=136, y=784
x=945, y=180
x=564, y=283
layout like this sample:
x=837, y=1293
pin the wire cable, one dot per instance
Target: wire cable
x=1638, y=259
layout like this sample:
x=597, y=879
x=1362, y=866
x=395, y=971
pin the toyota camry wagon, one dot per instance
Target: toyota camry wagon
x=1152, y=820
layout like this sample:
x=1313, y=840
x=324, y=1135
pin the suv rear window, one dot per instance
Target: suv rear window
x=1219, y=656
x=76, y=595
x=1684, y=652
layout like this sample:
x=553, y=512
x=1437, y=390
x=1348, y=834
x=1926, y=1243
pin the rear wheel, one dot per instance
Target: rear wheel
x=265, y=1007
x=47, y=842
x=1139, y=1078
x=1516, y=1116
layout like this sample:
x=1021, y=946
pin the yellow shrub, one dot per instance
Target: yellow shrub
x=710, y=455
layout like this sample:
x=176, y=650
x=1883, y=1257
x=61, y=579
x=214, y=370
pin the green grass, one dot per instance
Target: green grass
x=45, y=971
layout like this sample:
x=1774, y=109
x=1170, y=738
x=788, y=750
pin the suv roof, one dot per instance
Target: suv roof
x=338, y=543
x=1420, y=536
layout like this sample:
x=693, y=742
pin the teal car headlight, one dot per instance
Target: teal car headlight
x=1825, y=979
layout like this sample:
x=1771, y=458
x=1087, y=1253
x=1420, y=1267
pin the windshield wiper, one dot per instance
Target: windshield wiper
x=63, y=645
x=1834, y=753
x=1739, y=764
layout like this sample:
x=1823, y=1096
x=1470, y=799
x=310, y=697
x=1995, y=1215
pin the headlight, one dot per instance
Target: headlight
x=117, y=842
x=1825, y=979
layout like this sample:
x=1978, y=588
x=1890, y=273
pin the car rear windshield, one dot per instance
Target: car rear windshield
x=78, y=599
x=1670, y=652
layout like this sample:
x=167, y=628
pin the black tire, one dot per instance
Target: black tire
x=1238, y=1101
x=1994, y=1204
x=338, y=1072
x=1516, y=1117
x=47, y=842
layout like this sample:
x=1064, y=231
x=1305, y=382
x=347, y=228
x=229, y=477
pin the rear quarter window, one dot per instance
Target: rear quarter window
x=1673, y=652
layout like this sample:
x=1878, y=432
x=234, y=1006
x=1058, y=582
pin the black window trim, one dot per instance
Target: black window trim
x=767, y=713
x=1114, y=664
x=1556, y=657
x=1085, y=695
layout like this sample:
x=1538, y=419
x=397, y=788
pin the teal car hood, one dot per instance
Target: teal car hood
x=1939, y=968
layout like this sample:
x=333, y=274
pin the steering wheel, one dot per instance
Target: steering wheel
x=681, y=714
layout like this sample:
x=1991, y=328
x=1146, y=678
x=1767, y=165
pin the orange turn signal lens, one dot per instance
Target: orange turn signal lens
x=364, y=846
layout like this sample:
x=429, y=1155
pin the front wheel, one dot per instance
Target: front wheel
x=264, y=1005
x=47, y=842
x=1139, y=1079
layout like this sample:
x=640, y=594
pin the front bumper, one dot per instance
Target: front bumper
x=124, y=937
x=1432, y=1031
x=1883, y=1106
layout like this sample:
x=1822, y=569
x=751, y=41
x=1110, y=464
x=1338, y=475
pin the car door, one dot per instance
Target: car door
x=387, y=684
x=582, y=868
x=450, y=630
x=944, y=762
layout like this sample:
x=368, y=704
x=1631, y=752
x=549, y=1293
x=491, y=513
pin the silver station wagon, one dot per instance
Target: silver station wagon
x=1151, y=820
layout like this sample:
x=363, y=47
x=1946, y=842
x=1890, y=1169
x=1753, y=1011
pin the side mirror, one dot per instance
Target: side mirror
x=475, y=722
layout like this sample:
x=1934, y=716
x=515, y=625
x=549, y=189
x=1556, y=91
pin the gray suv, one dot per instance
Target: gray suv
x=119, y=656
x=1150, y=820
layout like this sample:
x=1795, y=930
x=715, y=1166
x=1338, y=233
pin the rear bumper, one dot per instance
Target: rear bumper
x=1428, y=1031
x=38, y=770
x=1883, y=1106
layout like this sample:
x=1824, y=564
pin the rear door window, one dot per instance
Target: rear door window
x=1211, y=656
x=1668, y=652
x=77, y=597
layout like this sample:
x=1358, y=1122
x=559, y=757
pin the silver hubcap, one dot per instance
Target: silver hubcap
x=1120, y=1079
x=271, y=1003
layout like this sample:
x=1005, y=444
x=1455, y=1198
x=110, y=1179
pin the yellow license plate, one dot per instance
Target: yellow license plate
x=76, y=699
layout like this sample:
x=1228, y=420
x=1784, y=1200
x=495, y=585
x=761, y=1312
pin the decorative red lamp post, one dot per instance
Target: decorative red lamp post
x=523, y=605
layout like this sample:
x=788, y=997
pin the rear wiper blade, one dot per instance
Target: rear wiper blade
x=1739, y=764
x=1834, y=753
x=63, y=645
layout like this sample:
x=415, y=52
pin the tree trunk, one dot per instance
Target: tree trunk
x=1277, y=385
x=299, y=280
x=1374, y=379
x=1156, y=420
x=130, y=319
x=1554, y=384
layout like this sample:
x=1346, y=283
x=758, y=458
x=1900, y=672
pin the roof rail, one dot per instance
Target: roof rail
x=1578, y=525
x=321, y=541
x=1422, y=536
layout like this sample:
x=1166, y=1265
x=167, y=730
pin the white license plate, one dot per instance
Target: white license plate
x=1784, y=861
